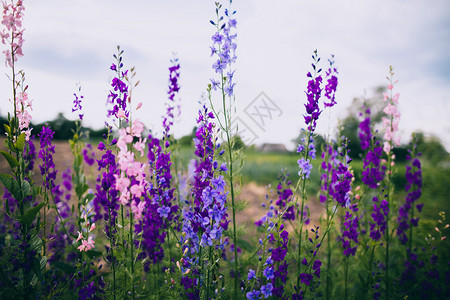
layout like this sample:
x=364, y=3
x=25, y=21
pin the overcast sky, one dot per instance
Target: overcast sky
x=70, y=42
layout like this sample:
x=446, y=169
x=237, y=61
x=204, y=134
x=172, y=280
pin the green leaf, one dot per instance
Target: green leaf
x=7, y=181
x=20, y=144
x=12, y=161
x=81, y=189
x=89, y=197
x=7, y=129
x=26, y=189
x=29, y=216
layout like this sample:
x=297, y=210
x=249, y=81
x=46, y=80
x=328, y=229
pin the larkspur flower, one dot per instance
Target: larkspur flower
x=414, y=189
x=174, y=88
x=12, y=33
x=224, y=50
x=77, y=104
x=392, y=119
x=119, y=94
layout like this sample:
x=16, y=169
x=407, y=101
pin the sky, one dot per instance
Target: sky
x=73, y=42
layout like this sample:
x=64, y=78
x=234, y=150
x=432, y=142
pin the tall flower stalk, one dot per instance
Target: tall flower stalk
x=390, y=123
x=224, y=51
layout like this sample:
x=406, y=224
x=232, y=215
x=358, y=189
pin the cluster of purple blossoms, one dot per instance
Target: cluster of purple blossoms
x=161, y=211
x=350, y=230
x=414, y=190
x=332, y=82
x=275, y=267
x=77, y=105
x=174, y=88
x=314, y=264
x=314, y=91
x=379, y=216
x=285, y=196
x=373, y=170
x=106, y=194
x=46, y=152
x=224, y=47
x=365, y=131
x=206, y=217
x=29, y=155
x=118, y=96
x=307, y=150
x=89, y=158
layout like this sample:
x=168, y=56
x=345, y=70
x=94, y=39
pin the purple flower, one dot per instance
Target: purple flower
x=266, y=290
x=414, y=189
x=268, y=272
x=77, y=104
x=305, y=168
x=254, y=295
x=174, y=88
x=251, y=274
x=306, y=278
x=163, y=211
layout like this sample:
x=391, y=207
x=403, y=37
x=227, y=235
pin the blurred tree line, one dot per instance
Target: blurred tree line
x=63, y=128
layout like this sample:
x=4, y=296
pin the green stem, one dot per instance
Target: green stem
x=132, y=256
x=111, y=246
x=346, y=277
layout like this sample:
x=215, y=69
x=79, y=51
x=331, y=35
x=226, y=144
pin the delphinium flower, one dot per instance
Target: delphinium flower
x=391, y=138
x=205, y=220
x=161, y=211
x=373, y=170
x=275, y=243
x=77, y=104
x=87, y=241
x=379, y=216
x=12, y=33
x=174, y=88
x=89, y=158
x=29, y=155
x=313, y=265
x=106, y=195
x=118, y=96
x=285, y=196
x=223, y=50
x=391, y=121
x=332, y=82
x=131, y=182
x=46, y=152
x=23, y=106
x=414, y=190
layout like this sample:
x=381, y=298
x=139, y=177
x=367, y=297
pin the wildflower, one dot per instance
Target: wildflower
x=266, y=290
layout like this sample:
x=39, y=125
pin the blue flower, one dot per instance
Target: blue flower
x=266, y=290
x=268, y=272
x=251, y=274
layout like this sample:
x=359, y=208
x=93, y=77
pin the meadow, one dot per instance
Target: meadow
x=141, y=215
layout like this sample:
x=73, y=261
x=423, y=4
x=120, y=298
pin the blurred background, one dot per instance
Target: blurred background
x=72, y=42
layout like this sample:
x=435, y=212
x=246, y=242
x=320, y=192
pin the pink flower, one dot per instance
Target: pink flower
x=80, y=236
x=121, y=114
x=137, y=209
x=140, y=146
x=122, y=183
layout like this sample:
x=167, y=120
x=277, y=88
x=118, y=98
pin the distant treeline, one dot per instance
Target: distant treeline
x=63, y=128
